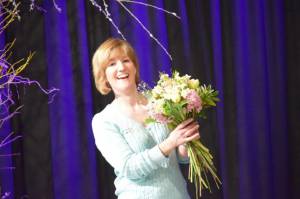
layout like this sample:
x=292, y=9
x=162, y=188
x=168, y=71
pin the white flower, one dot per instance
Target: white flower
x=157, y=91
x=173, y=93
x=159, y=105
x=185, y=92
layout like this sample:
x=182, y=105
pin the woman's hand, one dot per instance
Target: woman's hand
x=182, y=151
x=183, y=133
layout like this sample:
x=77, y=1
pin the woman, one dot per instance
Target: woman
x=145, y=157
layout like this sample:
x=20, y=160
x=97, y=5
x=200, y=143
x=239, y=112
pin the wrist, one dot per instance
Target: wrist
x=166, y=147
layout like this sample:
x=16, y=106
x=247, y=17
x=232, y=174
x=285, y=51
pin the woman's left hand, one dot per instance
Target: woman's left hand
x=183, y=133
x=182, y=150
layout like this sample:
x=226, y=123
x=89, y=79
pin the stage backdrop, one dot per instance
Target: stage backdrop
x=247, y=49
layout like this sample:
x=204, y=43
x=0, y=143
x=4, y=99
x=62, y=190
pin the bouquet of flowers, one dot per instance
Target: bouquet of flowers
x=175, y=99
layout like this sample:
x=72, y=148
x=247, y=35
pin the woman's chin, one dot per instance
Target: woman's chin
x=125, y=89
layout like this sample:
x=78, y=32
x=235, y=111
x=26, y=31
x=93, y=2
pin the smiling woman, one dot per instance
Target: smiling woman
x=108, y=54
x=145, y=158
x=120, y=72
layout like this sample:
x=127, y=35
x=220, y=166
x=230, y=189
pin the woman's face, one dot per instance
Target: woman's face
x=120, y=72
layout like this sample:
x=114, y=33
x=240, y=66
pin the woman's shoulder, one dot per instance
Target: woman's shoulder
x=105, y=119
x=110, y=118
x=110, y=115
x=105, y=114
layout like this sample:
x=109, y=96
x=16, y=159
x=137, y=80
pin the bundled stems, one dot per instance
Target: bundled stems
x=200, y=164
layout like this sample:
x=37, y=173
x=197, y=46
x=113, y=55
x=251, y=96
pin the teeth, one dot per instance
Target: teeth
x=122, y=76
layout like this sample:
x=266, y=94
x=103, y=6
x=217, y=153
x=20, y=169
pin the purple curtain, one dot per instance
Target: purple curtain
x=244, y=48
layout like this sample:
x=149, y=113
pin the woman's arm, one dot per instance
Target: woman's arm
x=118, y=153
x=182, y=155
x=183, y=133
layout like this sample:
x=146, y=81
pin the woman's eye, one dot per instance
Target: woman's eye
x=112, y=64
x=126, y=60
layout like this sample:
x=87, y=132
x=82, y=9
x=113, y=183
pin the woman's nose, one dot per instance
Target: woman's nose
x=120, y=66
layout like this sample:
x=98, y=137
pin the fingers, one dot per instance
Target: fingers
x=189, y=130
x=192, y=133
x=185, y=123
x=193, y=137
x=185, y=132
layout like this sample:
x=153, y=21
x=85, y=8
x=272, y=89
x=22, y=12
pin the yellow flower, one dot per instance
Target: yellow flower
x=193, y=83
x=164, y=76
x=184, y=79
x=157, y=91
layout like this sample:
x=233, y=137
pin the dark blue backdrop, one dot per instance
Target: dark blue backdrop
x=247, y=49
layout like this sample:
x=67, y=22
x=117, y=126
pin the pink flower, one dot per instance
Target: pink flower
x=161, y=118
x=194, y=101
x=156, y=114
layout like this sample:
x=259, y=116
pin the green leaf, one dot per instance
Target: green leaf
x=149, y=120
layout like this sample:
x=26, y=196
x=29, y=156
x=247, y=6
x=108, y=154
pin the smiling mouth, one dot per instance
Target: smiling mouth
x=124, y=76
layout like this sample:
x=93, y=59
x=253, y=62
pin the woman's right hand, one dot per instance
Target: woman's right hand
x=183, y=133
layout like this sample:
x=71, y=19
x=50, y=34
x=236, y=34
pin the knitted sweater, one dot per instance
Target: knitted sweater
x=142, y=171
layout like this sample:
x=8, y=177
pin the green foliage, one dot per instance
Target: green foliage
x=208, y=96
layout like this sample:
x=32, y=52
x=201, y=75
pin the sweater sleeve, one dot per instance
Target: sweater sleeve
x=182, y=160
x=118, y=153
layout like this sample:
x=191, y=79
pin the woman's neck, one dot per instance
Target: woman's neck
x=130, y=99
x=133, y=105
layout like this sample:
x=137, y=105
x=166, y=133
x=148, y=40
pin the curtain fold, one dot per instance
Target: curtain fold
x=6, y=162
